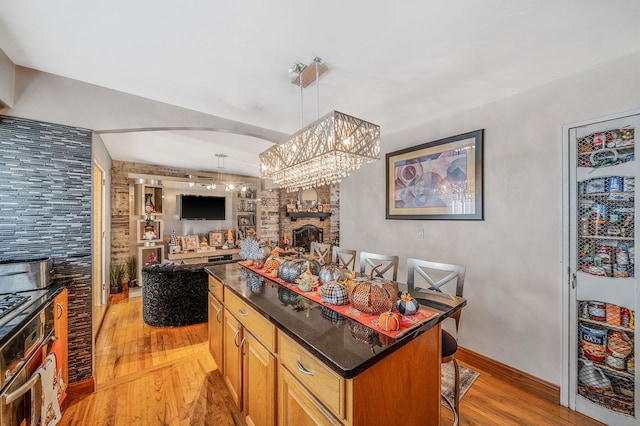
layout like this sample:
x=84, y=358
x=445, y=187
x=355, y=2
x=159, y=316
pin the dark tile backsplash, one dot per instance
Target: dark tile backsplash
x=45, y=210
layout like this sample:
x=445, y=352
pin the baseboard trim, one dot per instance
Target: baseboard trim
x=532, y=384
x=80, y=388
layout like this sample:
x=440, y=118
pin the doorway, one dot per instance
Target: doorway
x=99, y=284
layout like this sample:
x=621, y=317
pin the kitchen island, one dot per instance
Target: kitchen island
x=288, y=360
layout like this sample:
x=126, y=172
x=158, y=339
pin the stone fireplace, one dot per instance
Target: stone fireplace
x=305, y=235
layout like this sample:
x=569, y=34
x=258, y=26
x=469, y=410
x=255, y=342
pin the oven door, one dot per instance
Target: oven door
x=15, y=397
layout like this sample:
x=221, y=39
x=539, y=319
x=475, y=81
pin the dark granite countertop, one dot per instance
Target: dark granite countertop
x=344, y=345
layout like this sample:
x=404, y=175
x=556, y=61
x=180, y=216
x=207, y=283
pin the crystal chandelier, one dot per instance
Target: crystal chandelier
x=323, y=152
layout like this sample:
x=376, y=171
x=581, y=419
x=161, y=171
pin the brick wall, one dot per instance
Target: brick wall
x=287, y=225
x=45, y=211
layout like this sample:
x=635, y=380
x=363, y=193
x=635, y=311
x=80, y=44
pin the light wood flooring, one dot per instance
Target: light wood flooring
x=165, y=376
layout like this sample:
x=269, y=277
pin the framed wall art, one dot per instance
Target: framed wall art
x=436, y=180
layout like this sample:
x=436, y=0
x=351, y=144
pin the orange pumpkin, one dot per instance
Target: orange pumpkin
x=389, y=321
x=271, y=264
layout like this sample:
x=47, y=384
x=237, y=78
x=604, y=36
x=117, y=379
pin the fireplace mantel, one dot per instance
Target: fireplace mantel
x=295, y=215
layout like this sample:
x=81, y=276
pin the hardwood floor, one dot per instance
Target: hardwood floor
x=165, y=376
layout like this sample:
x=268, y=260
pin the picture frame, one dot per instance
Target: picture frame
x=442, y=179
x=225, y=236
x=215, y=239
x=190, y=242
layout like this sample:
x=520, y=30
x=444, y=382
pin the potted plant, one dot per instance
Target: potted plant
x=116, y=275
x=131, y=267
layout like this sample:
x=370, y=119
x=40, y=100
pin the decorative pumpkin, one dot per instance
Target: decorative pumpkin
x=363, y=334
x=334, y=293
x=330, y=273
x=275, y=252
x=306, y=284
x=271, y=265
x=373, y=296
x=258, y=263
x=407, y=305
x=389, y=321
x=332, y=316
x=291, y=269
x=287, y=297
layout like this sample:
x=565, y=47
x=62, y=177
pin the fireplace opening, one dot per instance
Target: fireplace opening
x=305, y=235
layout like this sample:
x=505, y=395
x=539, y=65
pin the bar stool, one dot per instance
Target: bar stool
x=370, y=260
x=322, y=251
x=346, y=257
x=437, y=275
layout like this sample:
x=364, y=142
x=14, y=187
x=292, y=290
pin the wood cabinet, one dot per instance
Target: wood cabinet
x=297, y=406
x=216, y=327
x=275, y=379
x=61, y=327
x=259, y=382
x=232, y=357
x=249, y=364
x=326, y=386
x=412, y=374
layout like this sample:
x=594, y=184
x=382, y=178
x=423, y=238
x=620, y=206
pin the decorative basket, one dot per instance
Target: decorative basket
x=373, y=296
x=334, y=293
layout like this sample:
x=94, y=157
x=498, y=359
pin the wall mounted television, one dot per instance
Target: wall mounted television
x=202, y=207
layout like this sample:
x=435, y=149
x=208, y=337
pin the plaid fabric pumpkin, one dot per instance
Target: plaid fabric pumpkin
x=332, y=316
x=334, y=293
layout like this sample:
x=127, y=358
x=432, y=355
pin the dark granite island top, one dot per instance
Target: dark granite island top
x=344, y=345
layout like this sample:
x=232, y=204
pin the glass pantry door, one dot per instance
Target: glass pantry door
x=599, y=255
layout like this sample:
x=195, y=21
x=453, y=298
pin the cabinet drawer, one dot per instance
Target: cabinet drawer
x=323, y=383
x=259, y=326
x=216, y=288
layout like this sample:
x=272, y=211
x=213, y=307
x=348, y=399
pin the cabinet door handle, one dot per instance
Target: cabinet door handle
x=242, y=343
x=235, y=338
x=61, y=310
x=218, y=315
x=302, y=369
x=214, y=288
x=242, y=312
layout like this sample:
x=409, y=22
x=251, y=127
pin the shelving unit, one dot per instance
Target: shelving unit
x=148, y=206
x=599, y=252
x=144, y=253
x=148, y=199
x=141, y=234
x=246, y=212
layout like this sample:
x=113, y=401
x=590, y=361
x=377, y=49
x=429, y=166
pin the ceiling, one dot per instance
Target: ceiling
x=396, y=64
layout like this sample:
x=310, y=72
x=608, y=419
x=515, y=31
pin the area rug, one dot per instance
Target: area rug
x=467, y=377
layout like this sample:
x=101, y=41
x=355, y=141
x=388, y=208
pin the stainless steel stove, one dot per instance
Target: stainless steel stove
x=26, y=331
x=10, y=302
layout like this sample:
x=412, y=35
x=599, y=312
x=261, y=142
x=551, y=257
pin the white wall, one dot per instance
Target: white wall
x=7, y=80
x=171, y=209
x=513, y=257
